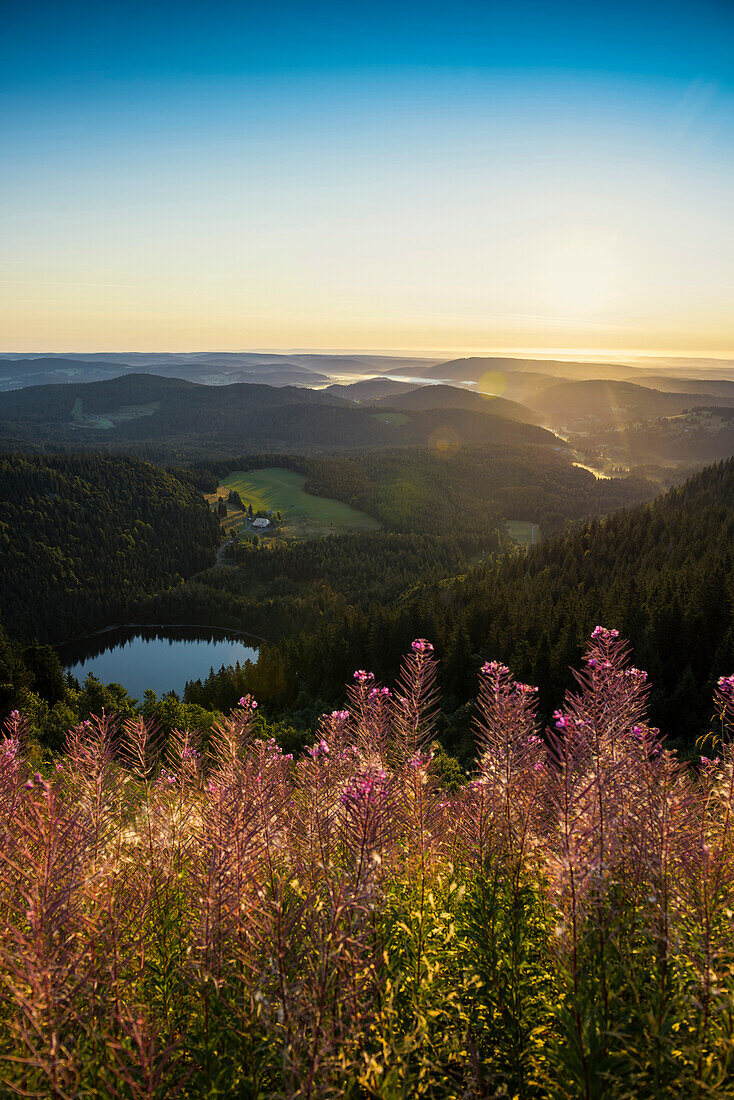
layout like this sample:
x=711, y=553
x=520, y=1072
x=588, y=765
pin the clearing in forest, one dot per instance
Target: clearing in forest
x=396, y=420
x=305, y=516
x=526, y=534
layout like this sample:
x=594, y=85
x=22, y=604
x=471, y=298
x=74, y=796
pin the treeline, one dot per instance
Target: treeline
x=82, y=537
x=662, y=573
x=287, y=588
x=465, y=490
x=179, y=417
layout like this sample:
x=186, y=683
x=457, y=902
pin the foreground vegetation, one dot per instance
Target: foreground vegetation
x=213, y=918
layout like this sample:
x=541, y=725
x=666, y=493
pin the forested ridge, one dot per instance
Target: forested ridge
x=465, y=491
x=82, y=537
x=170, y=419
x=442, y=513
x=662, y=573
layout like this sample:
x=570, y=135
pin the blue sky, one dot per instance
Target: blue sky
x=440, y=176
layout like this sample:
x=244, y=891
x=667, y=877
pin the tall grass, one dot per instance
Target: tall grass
x=191, y=920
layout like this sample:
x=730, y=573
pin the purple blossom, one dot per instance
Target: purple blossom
x=363, y=677
x=726, y=685
x=494, y=668
x=604, y=634
x=420, y=645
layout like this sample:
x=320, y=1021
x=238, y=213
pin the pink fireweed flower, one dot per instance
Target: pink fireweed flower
x=248, y=702
x=561, y=721
x=362, y=788
x=494, y=667
x=363, y=677
x=379, y=693
x=319, y=749
x=420, y=645
x=603, y=633
x=524, y=689
x=726, y=685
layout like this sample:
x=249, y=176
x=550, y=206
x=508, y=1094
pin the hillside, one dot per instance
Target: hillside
x=369, y=389
x=661, y=573
x=474, y=367
x=717, y=386
x=50, y=370
x=81, y=537
x=454, y=397
x=602, y=403
x=693, y=438
x=208, y=368
x=170, y=419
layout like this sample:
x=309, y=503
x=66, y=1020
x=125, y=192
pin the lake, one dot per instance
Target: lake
x=161, y=658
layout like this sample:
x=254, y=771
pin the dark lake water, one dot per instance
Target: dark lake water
x=154, y=657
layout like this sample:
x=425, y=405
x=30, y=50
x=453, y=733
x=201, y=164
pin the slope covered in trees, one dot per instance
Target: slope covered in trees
x=82, y=536
x=172, y=419
x=454, y=397
x=662, y=573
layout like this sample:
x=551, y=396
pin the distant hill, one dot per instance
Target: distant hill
x=689, y=439
x=474, y=367
x=167, y=418
x=211, y=371
x=369, y=389
x=716, y=386
x=211, y=368
x=46, y=370
x=453, y=397
x=596, y=403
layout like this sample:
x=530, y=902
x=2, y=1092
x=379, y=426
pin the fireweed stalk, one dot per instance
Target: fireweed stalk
x=178, y=920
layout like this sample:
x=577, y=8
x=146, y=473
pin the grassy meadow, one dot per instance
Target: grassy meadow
x=305, y=516
x=526, y=534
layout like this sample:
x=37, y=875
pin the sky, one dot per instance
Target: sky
x=450, y=177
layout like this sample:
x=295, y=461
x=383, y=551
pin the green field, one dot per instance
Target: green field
x=305, y=516
x=526, y=534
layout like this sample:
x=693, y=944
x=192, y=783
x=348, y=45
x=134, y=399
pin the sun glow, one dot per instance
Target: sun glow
x=580, y=275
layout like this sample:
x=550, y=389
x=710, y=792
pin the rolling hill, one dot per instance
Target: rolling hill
x=369, y=389
x=597, y=403
x=454, y=397
x=474, y=367
x=169, y=418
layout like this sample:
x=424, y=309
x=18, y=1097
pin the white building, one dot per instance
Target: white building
x=261, y=522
